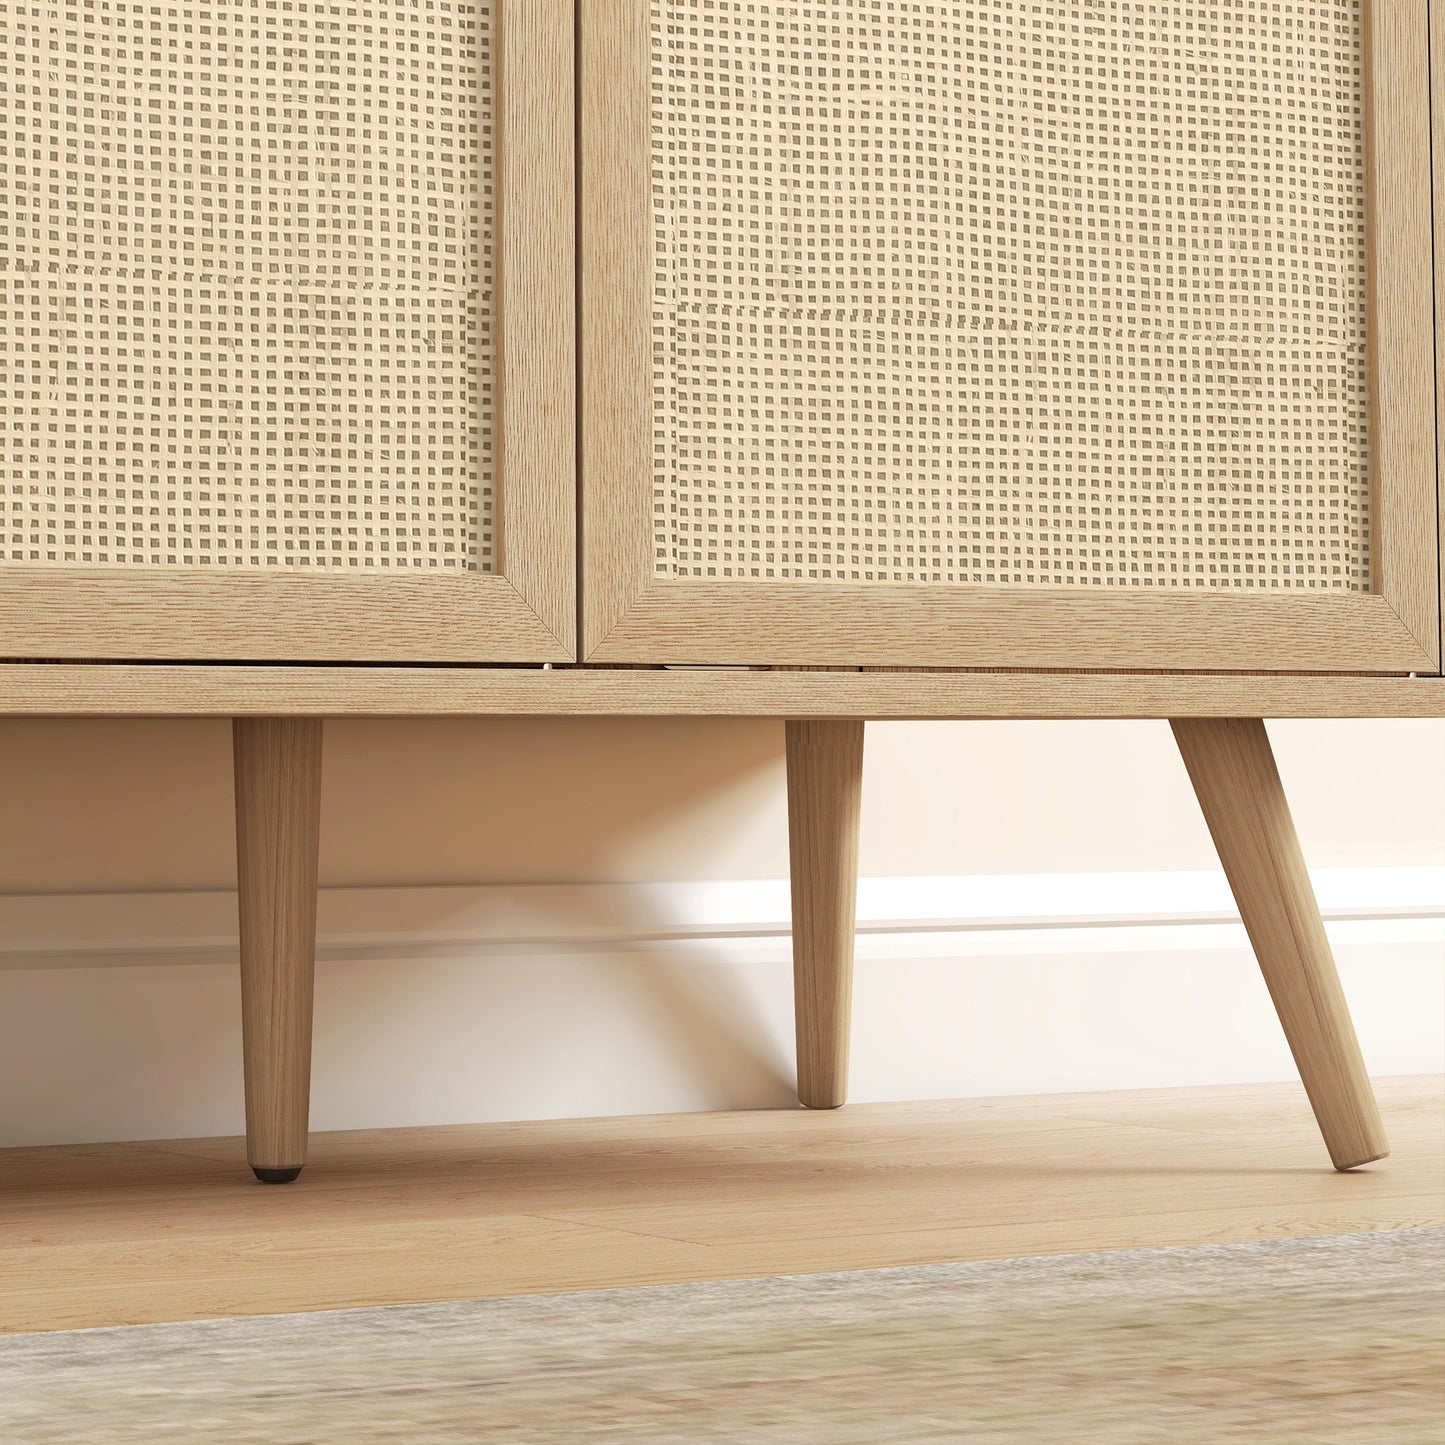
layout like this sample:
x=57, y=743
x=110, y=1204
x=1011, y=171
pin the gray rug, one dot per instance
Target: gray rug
x=1312, y=1340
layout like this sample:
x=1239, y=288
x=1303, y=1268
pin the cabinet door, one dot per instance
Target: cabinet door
x=1008, y=335
x=288, y=332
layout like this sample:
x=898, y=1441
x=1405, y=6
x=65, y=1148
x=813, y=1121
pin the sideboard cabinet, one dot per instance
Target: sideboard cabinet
x=826, y=361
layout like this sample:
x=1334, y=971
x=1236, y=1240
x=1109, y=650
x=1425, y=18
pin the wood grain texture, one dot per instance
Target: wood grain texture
x=187, y=613
x=825, y=798
x=535, y=311
x=278, y=813
x=853, y=624
x=106, y=1234
x=614, y=70
x=110, y=689
x=1437, y=151
x=1399, y=240
x=1232, y=767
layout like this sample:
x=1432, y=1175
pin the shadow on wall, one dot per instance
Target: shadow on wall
x=554, y=1035
x=554, y=800
x=123, y=805
x=570, y=801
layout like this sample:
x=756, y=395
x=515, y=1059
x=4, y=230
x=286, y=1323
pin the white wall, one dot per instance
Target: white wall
x=139, y=1047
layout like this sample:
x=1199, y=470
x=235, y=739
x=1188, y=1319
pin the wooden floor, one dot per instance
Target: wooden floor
x=127, y=1233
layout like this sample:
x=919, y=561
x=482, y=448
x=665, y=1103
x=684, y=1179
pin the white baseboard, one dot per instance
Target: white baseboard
x=118, y=929
x=447, y=1005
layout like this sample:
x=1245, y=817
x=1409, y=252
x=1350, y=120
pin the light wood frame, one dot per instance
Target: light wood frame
x=630, y=615
x=1437, y=155
x=523, y=611
x=227, y=690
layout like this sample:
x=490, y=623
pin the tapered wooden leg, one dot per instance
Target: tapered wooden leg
x=825, y=781
x=278, y=812
x=1232, y=768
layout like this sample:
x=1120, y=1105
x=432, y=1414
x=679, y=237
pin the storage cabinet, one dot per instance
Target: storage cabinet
x=891, y=359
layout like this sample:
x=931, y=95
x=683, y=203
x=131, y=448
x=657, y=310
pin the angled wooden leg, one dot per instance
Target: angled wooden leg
x=278, y=812
x=1232, y=768
x=825, y=781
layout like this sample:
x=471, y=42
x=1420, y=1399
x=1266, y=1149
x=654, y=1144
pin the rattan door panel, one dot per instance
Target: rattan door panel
x=1008, y=334
x=284, y=290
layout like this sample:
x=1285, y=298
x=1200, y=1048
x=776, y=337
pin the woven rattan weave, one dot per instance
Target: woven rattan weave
x=1004, y=292
x=244, y=284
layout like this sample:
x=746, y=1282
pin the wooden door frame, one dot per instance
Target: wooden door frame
x=1437, y=131
x=524, y=610
x=632, y=616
